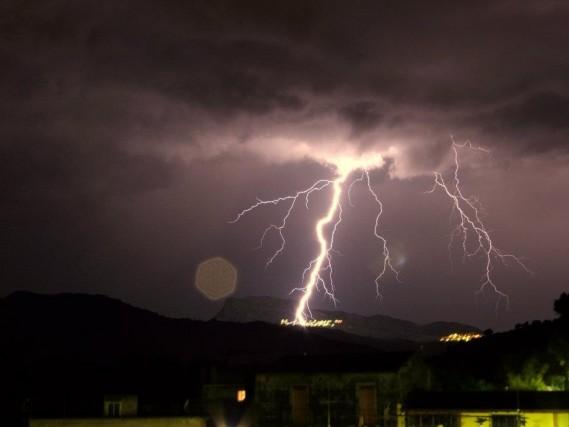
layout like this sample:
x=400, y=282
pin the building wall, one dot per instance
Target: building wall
x=561, y=420
x=121, y=422
x=533, y=419
x=128, y=404
x=273, y=398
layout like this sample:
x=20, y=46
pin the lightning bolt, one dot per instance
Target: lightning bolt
x=470, y=226
x=319, y=271
x=317, y=186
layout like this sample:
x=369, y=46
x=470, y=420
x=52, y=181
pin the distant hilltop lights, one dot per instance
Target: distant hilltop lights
x=461, y=337
x=314, y=323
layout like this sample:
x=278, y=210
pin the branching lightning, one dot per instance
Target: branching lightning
x=319, y=272
x=470, y=226
x=317, y=186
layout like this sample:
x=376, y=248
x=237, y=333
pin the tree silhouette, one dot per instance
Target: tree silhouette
x=561, y=306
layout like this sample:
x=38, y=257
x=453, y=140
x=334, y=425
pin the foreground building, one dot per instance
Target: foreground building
x=486, y=409
x=314, y=392
x=357, y=390
x=121, y=411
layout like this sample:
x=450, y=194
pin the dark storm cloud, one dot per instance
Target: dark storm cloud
x=255, y=57
x=544, y=111
x=132, y=118
x=97, y=168
x=547, y=110
x=530, y=124
x=362, y=116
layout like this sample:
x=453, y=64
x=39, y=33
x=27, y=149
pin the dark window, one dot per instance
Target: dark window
x=114, y=409
x=433, y=420
x=506, y=421
x=299, y=403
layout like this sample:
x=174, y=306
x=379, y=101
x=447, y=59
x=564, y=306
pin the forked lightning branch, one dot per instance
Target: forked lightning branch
x=319, y=272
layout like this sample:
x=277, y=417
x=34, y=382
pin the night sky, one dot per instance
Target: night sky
x=133, y=131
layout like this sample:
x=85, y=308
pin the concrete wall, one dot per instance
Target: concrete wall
x=121, y=422
x=128, y=404
x=533, y=419
x=273, y=397
x=561, y=420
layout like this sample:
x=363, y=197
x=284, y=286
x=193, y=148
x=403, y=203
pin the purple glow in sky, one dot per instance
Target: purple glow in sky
x=134, y=131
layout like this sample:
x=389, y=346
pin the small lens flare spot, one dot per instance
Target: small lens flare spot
x=398, y=254
x=216, y=278
x=241, y=395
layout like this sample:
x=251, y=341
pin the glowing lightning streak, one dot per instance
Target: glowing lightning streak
x=317, y=186
x=471, y=223
x=386, y=256
x=467, y=208
x=324, y=255
x=333, y=217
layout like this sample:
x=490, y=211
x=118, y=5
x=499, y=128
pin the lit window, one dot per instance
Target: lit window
x=241, y=395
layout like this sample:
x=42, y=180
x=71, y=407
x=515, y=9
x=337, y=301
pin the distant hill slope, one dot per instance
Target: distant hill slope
x=272, y=310
x=75, y=339
x=52, y=324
